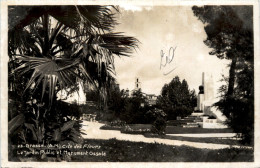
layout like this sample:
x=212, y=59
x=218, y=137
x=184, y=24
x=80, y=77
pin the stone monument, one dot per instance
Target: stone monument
x=206, y=94
x=210, y=115
x=205, y=115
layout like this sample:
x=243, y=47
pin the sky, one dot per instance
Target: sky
x=159, y=29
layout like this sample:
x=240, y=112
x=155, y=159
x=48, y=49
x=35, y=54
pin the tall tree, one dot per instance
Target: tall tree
x=176, y=99
x=59, y=45
x=55, y=47
x=229, y=32
x=134, y=108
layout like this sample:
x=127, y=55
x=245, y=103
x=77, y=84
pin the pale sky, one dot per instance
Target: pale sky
x=160, y=28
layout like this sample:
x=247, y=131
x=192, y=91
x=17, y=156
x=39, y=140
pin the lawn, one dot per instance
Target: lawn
x=133, y=126
x=215, y=140
x=113, y=150
x=130, y=128
x=125, y=151
x=169, y=129
x=136, y=129
x=181, y=130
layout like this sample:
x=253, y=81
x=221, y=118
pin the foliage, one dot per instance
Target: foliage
x=115, y=102
x=212, y=117
x=35, y=126
x=56, y=47
x=159, y=123
x=109, y=127
x=92, y=95
x=176, y=99
x=117, y=123
x=116, y=99
x=230, y=35
x=57, y=51
x=134, y=108
x=240, y=117
x=131, y=130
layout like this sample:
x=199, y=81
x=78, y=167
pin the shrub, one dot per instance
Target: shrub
x=127, y=128
x=133, y=130
x=34, y=126
x=205, y=115
x=198, y=111
x=108, y=127
x=159, y=125
x=212, y=117
x=240, y=114
x=117, y=123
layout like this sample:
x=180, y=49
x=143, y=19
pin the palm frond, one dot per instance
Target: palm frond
x=79, y=45
x=100, y=17
x=94, y=16
x=21, y=16
x=48, y=72
x=118, y=44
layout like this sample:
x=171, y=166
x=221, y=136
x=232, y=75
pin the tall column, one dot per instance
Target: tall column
x=202, y=78
x=201, y=95
x=209, y=88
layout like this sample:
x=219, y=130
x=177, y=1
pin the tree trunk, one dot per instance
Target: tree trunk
x=231, y=82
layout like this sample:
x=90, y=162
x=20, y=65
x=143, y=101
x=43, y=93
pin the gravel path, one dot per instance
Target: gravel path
x=93, y=132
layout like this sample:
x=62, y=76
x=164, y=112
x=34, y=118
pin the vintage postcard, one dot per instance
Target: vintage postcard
x=130, y=83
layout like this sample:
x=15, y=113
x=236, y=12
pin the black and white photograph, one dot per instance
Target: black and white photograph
x=122, y=83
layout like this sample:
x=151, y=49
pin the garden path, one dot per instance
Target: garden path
x=93, y=131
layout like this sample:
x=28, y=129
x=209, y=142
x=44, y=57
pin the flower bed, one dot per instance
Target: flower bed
x=136, y=129
x=109, y=127
x=131, y=130
x=114, y=125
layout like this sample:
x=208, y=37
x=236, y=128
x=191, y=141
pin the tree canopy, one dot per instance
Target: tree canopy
x=176, y=99
x=60, y=45
x=53, y=48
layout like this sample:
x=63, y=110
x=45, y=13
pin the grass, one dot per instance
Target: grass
x=215, y=140
x=108, y=127
x=170, y=129
x=126, y=151
x=181, y=130
x=140, y=126
x=178, y=130
x=113, y=150
x=134, y=128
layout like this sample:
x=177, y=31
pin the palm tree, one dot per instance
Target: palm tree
x=59, y=45
x=55, y=47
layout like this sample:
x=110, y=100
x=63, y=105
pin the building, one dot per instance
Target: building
x=151, y=98
x=137, y=84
